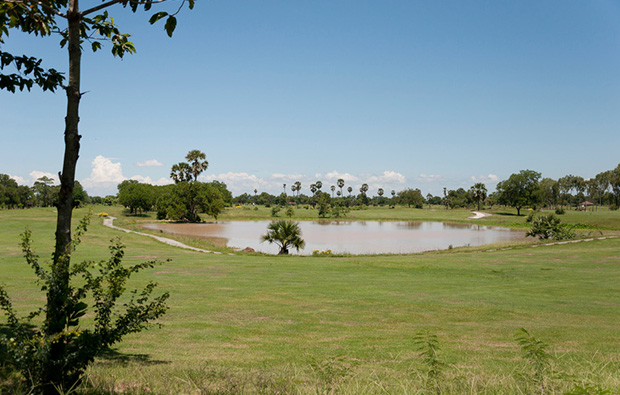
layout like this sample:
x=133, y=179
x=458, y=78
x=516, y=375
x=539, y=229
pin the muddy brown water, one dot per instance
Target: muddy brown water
x=353, y=237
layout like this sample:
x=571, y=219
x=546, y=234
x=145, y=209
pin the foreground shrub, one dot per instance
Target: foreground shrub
x=55, y=361
x=549, y=227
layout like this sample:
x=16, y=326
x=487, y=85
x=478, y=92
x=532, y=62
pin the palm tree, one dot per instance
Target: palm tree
x=350, y=189
x=284, y=187
x=297, y=187
x=333, y=188
x=197, y=161
x=285, y=234
x=340, y=183
x=319, y=185
x=364, y=189
x=380, y=192
x=479, y=192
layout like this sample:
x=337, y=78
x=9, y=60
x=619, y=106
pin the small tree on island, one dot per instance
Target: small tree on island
x=285, y=234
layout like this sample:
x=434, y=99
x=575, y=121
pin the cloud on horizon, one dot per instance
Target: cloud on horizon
x=491, y=179
x=150, y=163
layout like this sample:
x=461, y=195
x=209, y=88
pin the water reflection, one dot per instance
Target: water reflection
x=354, y=237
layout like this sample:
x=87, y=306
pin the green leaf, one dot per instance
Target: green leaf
x=157, y=17
x=171, y=24
x=96, y=45
x=191, y=4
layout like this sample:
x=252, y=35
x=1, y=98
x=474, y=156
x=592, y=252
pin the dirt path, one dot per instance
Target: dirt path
x=478, y=215
x=109, y=222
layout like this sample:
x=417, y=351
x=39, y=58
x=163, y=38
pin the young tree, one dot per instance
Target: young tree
x=285, y=234
x=89, y=26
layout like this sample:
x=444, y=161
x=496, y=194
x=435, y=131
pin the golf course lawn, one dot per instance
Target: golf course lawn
x=252, y=323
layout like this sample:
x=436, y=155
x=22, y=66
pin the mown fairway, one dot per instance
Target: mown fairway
x=252, y=323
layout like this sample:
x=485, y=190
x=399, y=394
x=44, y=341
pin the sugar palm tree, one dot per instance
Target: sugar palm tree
x=350, y=189
x=340, y=183
x=479, y=191
x=285, y=234
x=333, y=188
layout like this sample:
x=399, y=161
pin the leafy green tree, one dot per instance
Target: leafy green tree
x=324, y=204
x=519, y=190
x=83, y=26
x=479, y=193
x=285, y=234
x=411, y=197
x=135, y=196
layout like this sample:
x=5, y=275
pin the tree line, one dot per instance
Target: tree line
x=42, y=194
x=187, y=197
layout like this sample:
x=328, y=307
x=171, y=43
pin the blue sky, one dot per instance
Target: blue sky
x=396, y=94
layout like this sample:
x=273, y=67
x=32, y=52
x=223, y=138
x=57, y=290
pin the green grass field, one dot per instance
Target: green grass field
x=268, y=324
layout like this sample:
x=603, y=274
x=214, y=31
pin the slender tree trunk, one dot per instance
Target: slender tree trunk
x=58, y=294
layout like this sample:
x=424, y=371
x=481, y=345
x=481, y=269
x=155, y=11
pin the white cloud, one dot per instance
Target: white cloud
x=288, y=177
x=150, y=163
x=389, y=177
x=429, y=178
x=491, y=178
x=19, y=180
x=335, y=175
x=149, y=180
x=35, y=175
x=104, y=171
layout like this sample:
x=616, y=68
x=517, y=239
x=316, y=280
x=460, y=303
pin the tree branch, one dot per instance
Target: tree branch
x=43, y=5
x=112, y=2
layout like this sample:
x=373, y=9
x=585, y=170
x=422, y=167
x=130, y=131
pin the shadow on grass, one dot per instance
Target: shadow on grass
x=113, y=357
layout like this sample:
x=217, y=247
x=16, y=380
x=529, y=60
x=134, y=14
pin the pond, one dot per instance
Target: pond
x=353, y=237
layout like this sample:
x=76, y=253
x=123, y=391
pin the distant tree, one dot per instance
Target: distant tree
x=338, y=193
x=429, y=199
x=479, y=193
x=324, y=204
x=43, y=191
x=519, y=190
x=80, y=197
x=285, y=234
x=340, y=184
x=364, y=189
x=380, y=192
x=319, y=185
x=284, y=188
x=255, y=191
x=411, y=197
x=189, y=196
x=313, y=188
x=349, y=189
x=135, y=196
x=297, y=187
x=549, y=191
x=614, y=182
x=333, y=188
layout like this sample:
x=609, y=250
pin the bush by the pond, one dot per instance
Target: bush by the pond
x=550, y=227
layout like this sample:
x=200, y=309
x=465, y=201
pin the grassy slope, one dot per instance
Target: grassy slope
x=279, y=314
